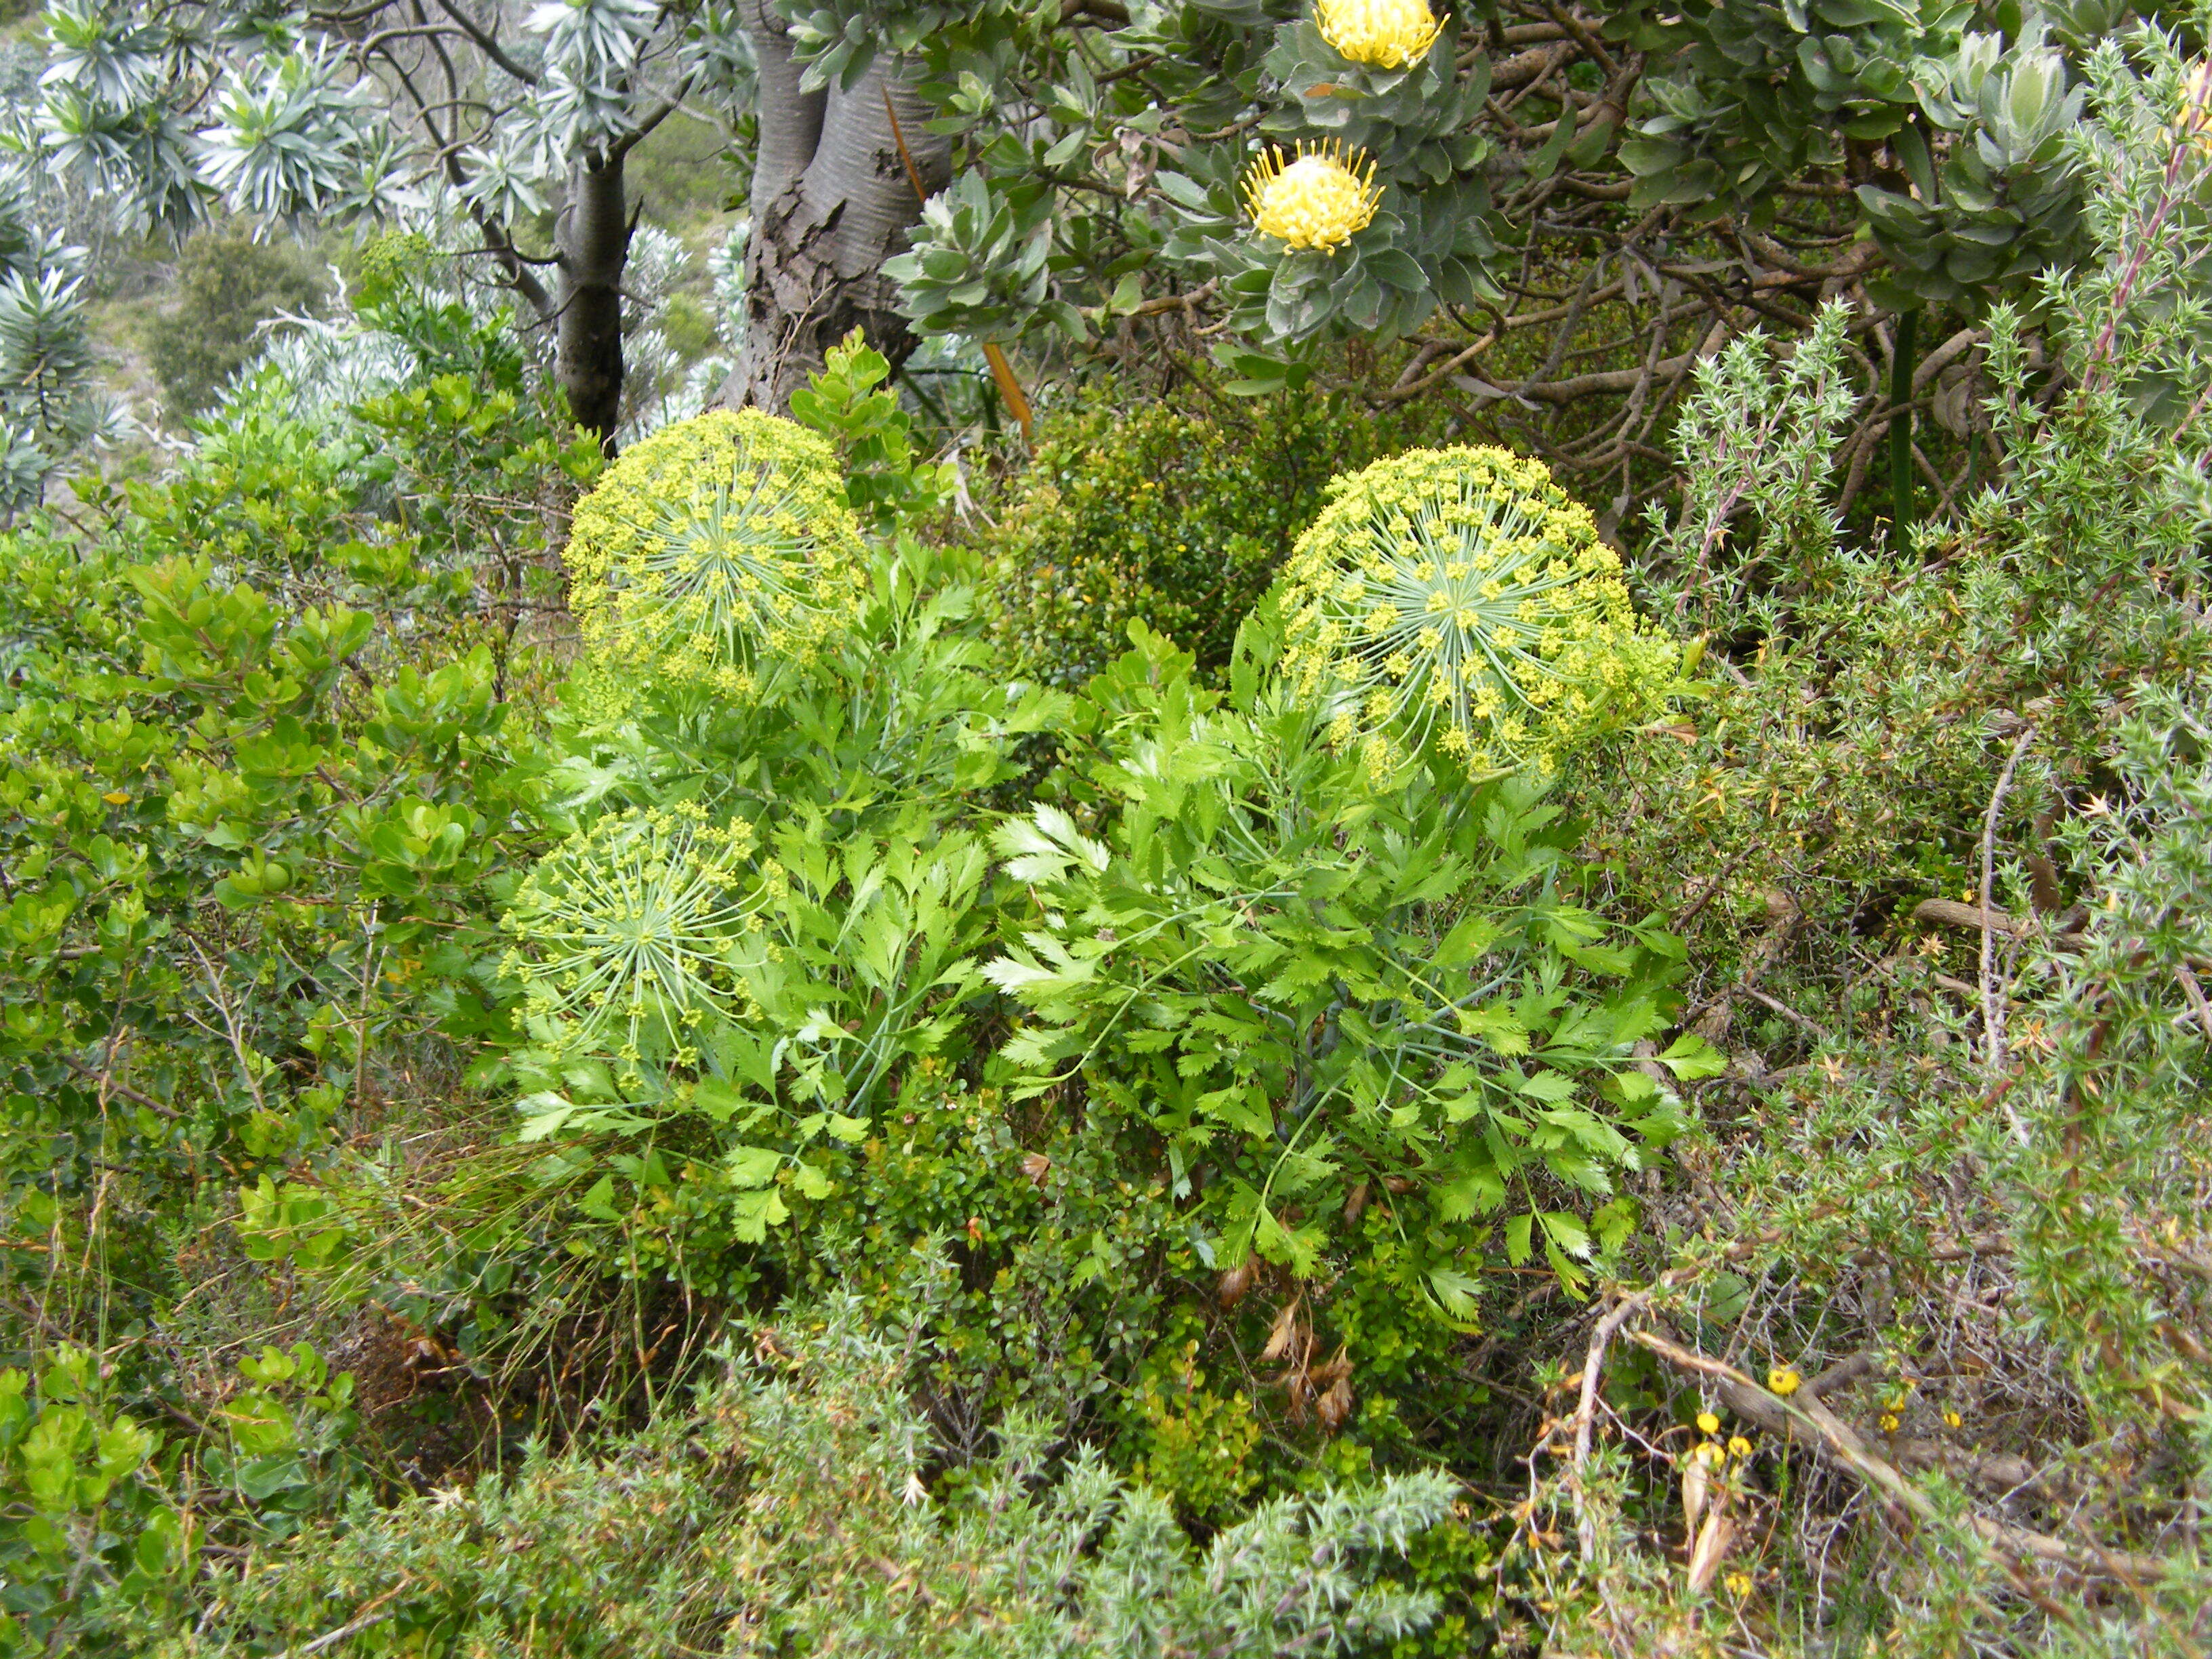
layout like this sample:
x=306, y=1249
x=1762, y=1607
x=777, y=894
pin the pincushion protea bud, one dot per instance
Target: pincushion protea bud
x=715, y=549
x=1388, y=34
x=1317, y=199
x=1459, y=596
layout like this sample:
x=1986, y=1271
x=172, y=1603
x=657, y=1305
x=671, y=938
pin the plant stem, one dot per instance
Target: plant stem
x=1900, y=429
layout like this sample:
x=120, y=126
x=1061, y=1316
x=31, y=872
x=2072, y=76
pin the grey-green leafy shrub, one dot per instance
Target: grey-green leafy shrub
x=789, y=1511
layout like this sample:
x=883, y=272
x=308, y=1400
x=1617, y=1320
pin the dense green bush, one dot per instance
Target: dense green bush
x=783, y=1019
x=230, y=281
x=789, y=1511
x=1175, y=512
x=1308, y=990
x=716, y=1141
x=257, y=777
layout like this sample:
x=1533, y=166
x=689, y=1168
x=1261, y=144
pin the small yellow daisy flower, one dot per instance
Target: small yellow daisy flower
x=1784, y=1380
x=1708, y=1424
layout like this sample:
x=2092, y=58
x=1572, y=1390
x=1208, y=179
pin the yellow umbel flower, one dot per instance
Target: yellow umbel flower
x=622, y=932
x=1388, y=34
x=718, y=548
x=1317, y=199
x=1458, y=596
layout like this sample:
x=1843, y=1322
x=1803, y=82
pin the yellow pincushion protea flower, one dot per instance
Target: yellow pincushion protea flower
x=1318, y=198
x=1459, y=596
x=1388, y=34
x=717, y=548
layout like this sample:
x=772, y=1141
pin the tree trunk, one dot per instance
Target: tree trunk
x=592, y=240
x=831, y=201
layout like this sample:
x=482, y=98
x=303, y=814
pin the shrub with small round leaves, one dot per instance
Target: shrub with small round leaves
x=715, y=551
x=622, y=935
x=1459, y=598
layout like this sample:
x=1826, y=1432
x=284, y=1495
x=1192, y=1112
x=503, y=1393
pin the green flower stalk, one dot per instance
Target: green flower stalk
x=1458, y=596
x=716, y=549
x=625, y=931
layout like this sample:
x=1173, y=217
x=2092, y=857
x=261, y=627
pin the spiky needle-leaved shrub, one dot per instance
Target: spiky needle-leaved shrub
x=788, y=1513
x=1458, y=596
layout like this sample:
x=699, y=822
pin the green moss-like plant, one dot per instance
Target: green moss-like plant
x=1459, y=598
x=715, y=552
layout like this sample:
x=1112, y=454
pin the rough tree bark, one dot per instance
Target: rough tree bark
x=831, y=201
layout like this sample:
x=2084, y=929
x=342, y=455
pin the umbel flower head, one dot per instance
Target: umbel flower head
x=717, y=547
x=622, y=933
x=1459, y=596
x=1388, y=34
x=1315, y=199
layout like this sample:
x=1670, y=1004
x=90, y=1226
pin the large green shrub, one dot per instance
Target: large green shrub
x=229, y=282
x=790, y=1511
x=1176, y=512
x=256, y=770
x=1311, y=993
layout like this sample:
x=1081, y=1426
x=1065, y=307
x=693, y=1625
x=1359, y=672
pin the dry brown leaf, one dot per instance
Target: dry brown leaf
x=1710, y=1550
x=1234, y=1284
x=1696, y=1483
x=1283, y=1334
x=1037, y=1166
x=1336, y=1404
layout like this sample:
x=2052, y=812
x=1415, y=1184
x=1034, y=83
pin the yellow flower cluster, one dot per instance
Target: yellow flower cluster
x=623, y=931
x=1388, y=34
x=1458, y=596
x=715, y=548
x=1317, y=199
x=1713, y=1453
x=2193, y=125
